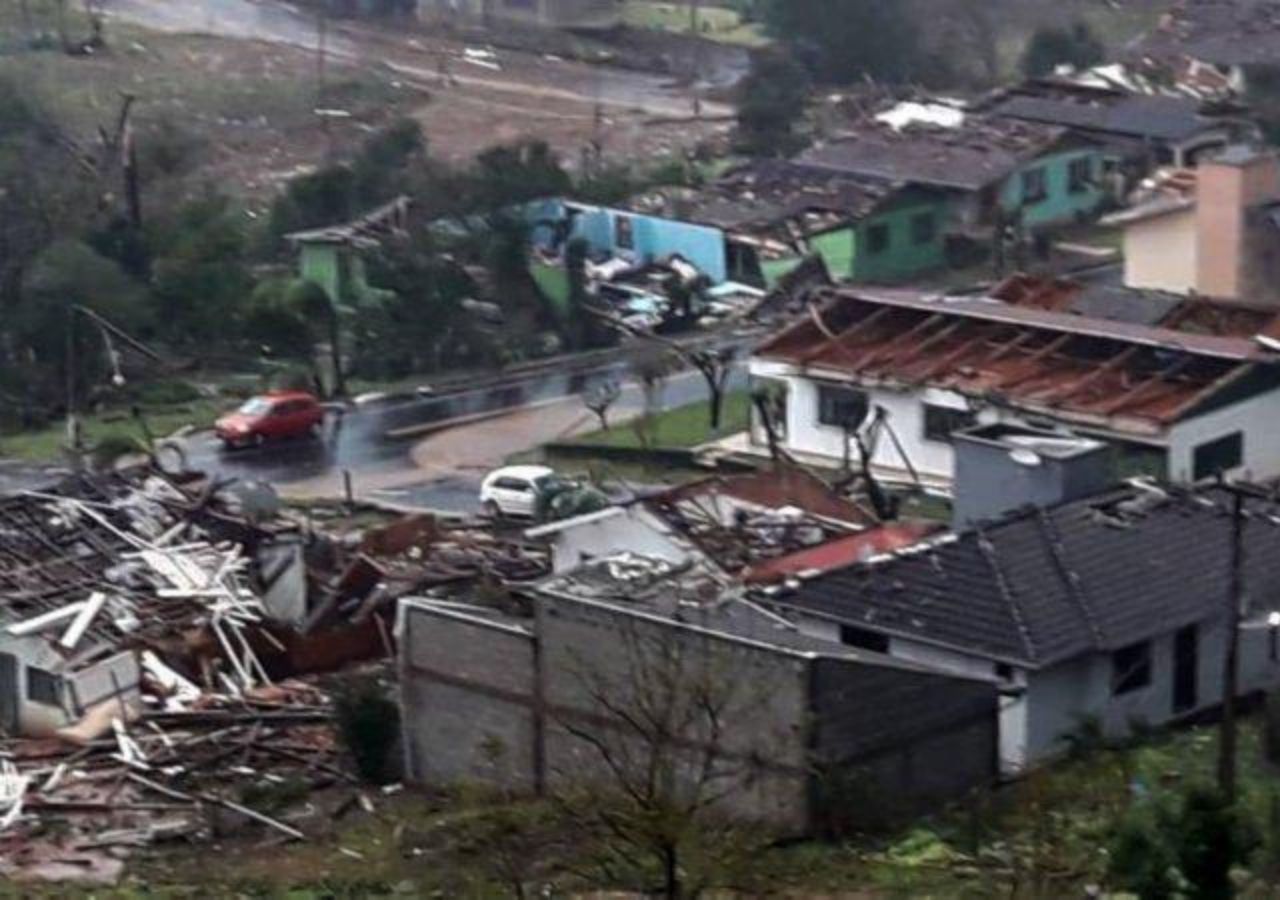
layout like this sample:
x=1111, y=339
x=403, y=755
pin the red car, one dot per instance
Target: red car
x=275, y=416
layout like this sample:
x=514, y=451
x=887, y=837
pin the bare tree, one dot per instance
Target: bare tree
x=714, y=364
x=651, y=368
x=671, y=731
x=601, y=398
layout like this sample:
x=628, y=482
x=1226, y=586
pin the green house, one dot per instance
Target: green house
x=993, y=170
x=771, y=215
x=334, y=257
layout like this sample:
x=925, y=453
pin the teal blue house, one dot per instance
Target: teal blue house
x=762, y=219
x=993, y=170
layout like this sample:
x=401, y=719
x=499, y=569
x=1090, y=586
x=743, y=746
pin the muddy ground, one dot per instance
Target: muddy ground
x=467, y=96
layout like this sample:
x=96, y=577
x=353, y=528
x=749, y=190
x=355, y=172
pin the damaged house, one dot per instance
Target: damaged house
x=1137, y=130
x=994, y=171
x=899, y=372
x=1106, y=608
x=761, y=220
x=798, y=733
x=1212, y=231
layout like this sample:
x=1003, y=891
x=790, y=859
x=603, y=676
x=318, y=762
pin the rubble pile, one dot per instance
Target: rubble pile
x=153, y=634
x=73, y=808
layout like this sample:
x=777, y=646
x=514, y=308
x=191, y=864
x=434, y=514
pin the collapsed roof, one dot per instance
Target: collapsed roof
x=773, y=194
x=1105, y=113
x=1129, y=377
x=976, y=154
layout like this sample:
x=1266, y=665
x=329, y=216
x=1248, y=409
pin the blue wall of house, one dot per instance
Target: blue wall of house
x=651, y=237
x=1060, y=203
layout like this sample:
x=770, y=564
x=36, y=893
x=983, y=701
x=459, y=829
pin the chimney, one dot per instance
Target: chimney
x=1001, y=468
x=1227, y=187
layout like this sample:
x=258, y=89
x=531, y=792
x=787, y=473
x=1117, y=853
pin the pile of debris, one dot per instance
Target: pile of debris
x=185, y=765
x=152, y=631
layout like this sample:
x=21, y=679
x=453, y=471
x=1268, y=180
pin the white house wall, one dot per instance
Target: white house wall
x=632, y=529
x=1257, y=417
x=1060, y=699
x=1161, y=253
x=905, y=415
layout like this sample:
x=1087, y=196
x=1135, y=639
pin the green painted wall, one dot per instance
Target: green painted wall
x=775, y=269
x=319, y=263
x=1060, y=204
x=837, y=249
x=339, y=270
x=905, y=255
x=553, y=281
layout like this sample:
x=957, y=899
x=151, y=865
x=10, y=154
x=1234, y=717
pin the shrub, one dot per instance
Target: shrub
x=369, y=725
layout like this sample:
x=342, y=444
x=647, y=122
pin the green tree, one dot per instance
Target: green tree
x=201, y=277
x=65, y=275
x=842, y=41
x=773, y=97
x=1049, y=48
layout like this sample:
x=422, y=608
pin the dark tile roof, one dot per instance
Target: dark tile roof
x=981, y=152
x=1127, y=115
x=1044, y=586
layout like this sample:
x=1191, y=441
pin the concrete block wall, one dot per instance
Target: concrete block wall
x=467, y=701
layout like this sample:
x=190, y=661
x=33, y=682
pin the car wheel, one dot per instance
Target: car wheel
x=258, y=440
x=493, y=511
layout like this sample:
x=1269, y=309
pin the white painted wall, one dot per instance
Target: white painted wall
x=1160, y=253
x=1060, y=698
x=631, y=528
x=1258, y=418
x=905, y=410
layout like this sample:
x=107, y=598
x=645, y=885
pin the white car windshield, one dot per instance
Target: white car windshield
x=256, y=407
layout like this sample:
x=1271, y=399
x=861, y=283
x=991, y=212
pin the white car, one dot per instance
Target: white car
x=512, y=492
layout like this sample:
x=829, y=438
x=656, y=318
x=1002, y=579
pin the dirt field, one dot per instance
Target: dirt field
x=467, y=98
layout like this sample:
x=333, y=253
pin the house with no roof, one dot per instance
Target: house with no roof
x=760, y=220
x=899, y=372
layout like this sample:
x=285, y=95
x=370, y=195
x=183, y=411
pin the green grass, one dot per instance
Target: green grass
x=46, y=444
x=1043, y=836
x=680, y=428
x=717, y=23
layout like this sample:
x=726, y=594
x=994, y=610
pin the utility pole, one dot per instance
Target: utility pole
x=322, y=51
x=1228, y=729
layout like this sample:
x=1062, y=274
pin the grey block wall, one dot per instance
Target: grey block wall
x=596, y=662
x=466, y=694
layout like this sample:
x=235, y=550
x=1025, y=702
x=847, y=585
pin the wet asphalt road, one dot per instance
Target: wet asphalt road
x=357, y=440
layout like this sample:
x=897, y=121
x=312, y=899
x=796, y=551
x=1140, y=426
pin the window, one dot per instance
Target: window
x=1079, y=175
x=924, y=228
x=1035, y=185
x=843, y=407
x=1004, y=671
x=877, y=239
x=853, y=636
x=43, y=687
x=1216, y=457
x=624, y=233
x=513, y=484
x=1131, y=668
x=940, y=422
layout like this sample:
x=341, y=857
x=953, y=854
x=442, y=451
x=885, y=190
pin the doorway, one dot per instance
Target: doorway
x=1186, y=668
